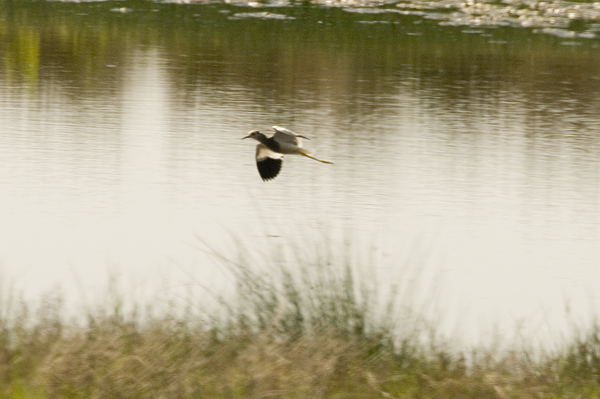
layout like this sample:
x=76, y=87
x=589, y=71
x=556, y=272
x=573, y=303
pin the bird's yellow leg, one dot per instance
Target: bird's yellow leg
x=308, y=156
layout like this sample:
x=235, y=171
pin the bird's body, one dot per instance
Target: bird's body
x=270, y=150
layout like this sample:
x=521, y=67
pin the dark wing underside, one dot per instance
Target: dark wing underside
x=268, y=162
x=269, y=168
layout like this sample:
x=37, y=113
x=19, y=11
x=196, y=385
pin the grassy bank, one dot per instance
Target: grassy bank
x=293, y=328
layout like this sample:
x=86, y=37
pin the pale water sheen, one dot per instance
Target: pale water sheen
x=473, y=152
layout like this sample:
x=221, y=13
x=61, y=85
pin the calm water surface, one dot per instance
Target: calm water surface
x=474, y=153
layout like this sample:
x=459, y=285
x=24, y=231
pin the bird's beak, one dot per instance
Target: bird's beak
x=245, y=137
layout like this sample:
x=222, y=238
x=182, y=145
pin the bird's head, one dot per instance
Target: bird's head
x=254, y=134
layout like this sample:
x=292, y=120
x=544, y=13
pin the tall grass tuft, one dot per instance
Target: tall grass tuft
x=297, y=324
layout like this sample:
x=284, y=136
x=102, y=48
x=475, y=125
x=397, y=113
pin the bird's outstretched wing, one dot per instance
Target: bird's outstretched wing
x=283, y=135
x=268, y=162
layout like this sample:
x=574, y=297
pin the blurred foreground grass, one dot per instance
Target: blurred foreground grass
x=293, y=328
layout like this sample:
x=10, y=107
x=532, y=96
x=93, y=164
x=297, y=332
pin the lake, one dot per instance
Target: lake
x=466, y=157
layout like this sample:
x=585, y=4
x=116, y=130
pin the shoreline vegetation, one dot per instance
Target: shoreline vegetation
x=294, y=327
x=568, y=18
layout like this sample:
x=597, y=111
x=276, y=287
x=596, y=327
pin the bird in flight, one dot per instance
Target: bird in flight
x=270, y=150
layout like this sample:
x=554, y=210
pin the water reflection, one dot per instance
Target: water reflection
x=119, y=135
